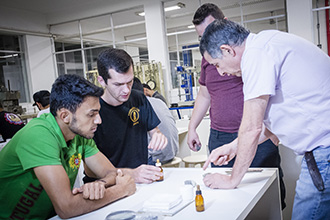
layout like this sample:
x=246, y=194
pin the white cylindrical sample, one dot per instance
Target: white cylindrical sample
x=187, y=192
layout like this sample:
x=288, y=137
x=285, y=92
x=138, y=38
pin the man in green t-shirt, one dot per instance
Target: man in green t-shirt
x=39, y=165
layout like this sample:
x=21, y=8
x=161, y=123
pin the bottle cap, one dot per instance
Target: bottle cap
x=198, y=190
x=158, y=163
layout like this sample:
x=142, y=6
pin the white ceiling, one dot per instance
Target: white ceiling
x=58, y=11
x=52, y=7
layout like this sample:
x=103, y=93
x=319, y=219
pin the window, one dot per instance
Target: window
x=13, y=75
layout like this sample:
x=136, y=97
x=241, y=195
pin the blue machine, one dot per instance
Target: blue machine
x=186, y=82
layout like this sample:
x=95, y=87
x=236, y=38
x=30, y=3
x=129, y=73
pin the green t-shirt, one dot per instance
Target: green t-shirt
x=39, y=143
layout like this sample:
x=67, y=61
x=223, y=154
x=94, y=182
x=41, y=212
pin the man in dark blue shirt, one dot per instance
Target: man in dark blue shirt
x=127, y=119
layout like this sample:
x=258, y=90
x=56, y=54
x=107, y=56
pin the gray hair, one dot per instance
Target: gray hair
x=221, y=32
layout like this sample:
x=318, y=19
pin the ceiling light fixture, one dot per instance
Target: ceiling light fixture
x=170, y=8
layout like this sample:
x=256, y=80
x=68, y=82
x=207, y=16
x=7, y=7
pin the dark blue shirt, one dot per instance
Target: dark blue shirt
x=122, y=136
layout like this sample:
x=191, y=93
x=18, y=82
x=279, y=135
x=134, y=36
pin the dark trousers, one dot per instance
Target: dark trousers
x=267, y=155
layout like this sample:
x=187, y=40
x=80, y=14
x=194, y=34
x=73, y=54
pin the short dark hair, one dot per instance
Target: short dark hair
x=205, y=10
x=42, y=97
x=69, y=91
x=145, y=85
x=113, y=58
x=222, y=32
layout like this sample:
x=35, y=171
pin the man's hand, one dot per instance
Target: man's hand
x=193, y=140
x=146, y=174
x=222, y=155
x=219, y=181
x=158, y=140
x=92, y=191
x=126, y=181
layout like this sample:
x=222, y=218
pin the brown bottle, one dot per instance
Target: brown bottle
x=199, y=201
x=158, y=164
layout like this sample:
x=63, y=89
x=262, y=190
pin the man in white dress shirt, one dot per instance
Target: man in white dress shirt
x=287, y=94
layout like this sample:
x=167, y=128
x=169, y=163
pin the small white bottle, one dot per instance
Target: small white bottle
x=159, y=164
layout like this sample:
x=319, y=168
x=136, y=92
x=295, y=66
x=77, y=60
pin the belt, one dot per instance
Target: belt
x=314, y=171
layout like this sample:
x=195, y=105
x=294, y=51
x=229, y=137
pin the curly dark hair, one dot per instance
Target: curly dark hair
x=69, y=91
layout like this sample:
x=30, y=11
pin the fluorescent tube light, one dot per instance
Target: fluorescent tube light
x=170, y=8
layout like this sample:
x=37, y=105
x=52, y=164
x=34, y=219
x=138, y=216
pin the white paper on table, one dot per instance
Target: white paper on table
x=162, y=201
x=165, y=204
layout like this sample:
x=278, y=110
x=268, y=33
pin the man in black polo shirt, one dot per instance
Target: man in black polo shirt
x=127, y=119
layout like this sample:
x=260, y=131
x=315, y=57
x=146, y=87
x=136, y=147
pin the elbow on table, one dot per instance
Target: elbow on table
x=63, y=215
x=64, y=211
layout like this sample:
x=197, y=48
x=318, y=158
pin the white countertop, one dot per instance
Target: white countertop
x=225, y=204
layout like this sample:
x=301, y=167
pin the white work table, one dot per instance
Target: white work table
x=257, y=197
x=182, y=130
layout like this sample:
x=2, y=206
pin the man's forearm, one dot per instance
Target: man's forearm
x=247, y=142
x=77, y=205
x=246, y=149
x=200, y=109
x=109, y=179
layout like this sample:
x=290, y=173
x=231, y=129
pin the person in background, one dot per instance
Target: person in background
x=275, y=103
x=128, y=118
x=41, y=100
x=39, y=165
x=167, y=127
x=151, y=93
x=10, y=123
x=224, y=96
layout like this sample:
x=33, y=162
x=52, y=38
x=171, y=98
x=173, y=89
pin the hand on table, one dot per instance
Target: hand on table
x=219, y=181
x=126, y=181
x=92, y=191
x=146, y=174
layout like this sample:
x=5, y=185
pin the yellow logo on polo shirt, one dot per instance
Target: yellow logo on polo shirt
x=134, y=115
x=75, y=161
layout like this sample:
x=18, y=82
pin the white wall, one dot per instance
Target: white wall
x=300, y=18
x=40, y=63
x=157, y=39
